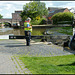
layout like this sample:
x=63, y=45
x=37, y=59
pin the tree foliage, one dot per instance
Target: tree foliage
x=65, y=16
x=1, y=16
x=34, y=9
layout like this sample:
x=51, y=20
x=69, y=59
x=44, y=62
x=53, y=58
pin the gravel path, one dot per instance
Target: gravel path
x=9, y=48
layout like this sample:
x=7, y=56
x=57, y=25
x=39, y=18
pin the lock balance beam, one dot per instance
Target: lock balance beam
x=23, y=37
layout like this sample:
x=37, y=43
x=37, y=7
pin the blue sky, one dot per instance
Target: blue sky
x=8, y=7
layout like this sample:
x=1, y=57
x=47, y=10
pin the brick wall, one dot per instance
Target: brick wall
x=16, y=15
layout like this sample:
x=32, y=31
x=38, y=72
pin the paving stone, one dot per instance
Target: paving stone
x=9, y=48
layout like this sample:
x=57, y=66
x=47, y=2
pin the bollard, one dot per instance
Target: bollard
x=72, y=43
x=73, y=31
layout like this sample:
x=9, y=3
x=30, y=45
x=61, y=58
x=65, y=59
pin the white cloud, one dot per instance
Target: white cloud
x=69, y=5
x=49, y=4
x=63, y=4
x=7, y=15
x=14, y=2
x=0, y=10
x=8, y=7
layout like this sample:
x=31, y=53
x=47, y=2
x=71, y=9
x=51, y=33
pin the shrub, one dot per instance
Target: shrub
x=43, y=21
x=35, y=22
x=39, y=22
x=61, y=17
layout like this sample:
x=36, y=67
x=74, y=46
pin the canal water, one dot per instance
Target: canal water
x=35, y=31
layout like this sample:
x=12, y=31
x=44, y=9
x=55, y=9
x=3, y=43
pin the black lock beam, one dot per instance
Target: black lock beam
x=16, y=37
x=23, y=37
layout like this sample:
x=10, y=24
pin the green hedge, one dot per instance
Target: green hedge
x=62, y=17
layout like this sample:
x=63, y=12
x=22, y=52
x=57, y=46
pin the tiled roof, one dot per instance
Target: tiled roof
x=59, y=10
x=56, y=11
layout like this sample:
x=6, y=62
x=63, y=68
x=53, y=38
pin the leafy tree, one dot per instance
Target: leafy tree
x=1, y=16
x=65, y=16
x=34, y=9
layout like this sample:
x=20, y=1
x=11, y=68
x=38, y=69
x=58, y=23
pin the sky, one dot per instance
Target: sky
x=9, y=7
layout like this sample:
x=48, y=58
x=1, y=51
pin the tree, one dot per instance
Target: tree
x=34, y=9
x=1, y=16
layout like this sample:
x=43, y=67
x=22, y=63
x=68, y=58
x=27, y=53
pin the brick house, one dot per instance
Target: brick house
x=16, y=19
x=57, y=10
x=16, y=15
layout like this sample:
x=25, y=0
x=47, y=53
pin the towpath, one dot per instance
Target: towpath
x=10, y=48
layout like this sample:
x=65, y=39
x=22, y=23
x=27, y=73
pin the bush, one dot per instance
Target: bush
x=62, y=18
x=43, y=21
x=39, y=22
x=35, y=22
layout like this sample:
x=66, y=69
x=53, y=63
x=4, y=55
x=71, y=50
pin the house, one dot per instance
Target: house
x=52, y=9
x=17, y=18
x=73, y=11
x=14, y=21
x=57, y=10
x=16, y=15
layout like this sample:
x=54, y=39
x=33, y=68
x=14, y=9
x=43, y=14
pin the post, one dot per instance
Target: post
x=73, y=25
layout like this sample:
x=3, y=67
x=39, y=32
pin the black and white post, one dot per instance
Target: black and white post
x=73, y=25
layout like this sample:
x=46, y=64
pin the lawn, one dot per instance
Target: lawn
x=50, y=65
x=2, y=39
x=64, y=30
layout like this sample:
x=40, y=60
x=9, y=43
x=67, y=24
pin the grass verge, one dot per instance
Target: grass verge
x=50, y=65
x=64, y=30
x=3, y=39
